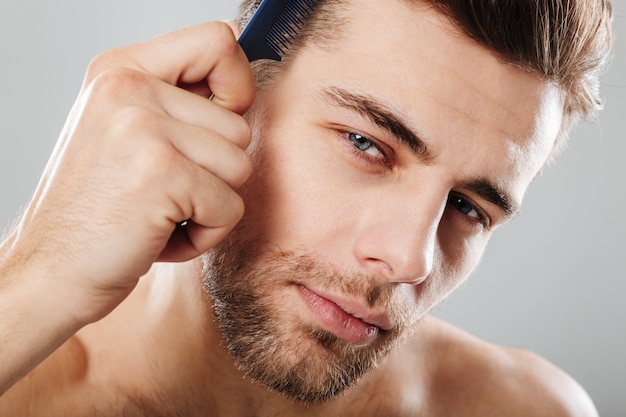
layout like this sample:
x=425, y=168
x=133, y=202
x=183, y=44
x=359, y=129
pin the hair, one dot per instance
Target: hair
x=566, y=42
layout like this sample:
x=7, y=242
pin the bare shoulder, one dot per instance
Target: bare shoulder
x=470, y=376
x=44, y=391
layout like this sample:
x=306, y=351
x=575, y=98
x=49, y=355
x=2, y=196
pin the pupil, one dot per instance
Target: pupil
x=359, y=141
x=462, y=205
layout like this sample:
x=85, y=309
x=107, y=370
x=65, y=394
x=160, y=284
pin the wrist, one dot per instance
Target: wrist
x=34, y=319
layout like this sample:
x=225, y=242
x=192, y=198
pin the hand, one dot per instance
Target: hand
x=143, y=150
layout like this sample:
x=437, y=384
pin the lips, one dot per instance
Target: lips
x=344, y=317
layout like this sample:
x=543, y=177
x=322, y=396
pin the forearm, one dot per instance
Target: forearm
x=35, y=317
x=138, y=155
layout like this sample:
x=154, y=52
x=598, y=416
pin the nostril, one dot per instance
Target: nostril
x=385, y=271
x=380, y=264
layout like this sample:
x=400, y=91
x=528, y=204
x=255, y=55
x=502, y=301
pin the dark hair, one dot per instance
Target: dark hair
x=567, y=42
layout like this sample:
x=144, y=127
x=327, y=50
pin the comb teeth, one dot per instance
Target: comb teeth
x=289, y=24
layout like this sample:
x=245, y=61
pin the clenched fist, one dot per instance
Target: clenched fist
x=146, y=169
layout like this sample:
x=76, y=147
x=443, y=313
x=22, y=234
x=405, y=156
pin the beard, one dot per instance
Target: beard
x=246, y=282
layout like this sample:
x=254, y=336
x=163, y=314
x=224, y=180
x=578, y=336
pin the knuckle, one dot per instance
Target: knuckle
x=152, y=166
x=134, y=122
x=159, y=156
x=238, y=208
x=245, y=169
x=100, y=63
x=142, y=147
x=242, y=132
x=119, y=83
x=223, y=39
x=105, y=61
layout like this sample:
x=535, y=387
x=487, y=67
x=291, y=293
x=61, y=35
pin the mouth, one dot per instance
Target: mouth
x=346, y=318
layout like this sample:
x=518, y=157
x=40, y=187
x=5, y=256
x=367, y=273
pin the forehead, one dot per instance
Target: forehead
x=446, y=86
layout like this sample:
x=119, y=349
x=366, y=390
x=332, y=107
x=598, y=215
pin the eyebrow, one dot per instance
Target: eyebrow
x=493, y=194
x=381, y=116
x=384, y=117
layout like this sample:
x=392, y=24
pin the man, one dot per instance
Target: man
x=374, y=163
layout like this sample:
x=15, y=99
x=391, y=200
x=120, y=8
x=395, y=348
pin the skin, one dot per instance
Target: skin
x=138, y=156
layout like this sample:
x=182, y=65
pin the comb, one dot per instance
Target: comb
x=273, y=27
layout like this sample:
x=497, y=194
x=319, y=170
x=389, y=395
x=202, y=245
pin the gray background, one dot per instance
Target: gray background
x=552, y=281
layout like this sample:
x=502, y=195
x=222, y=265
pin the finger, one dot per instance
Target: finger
x=197, y=111
x=212, y=208
x=191, y=240
x=233, y=26
x=209, y=150
x=125, y=87
x=208, y=51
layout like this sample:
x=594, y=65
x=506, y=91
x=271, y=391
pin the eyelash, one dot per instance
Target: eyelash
x=454, y=199
x=363, y=155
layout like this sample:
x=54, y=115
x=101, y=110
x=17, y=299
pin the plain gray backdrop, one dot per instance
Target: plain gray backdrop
x=553, y=281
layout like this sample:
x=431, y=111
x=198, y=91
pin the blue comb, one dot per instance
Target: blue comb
x=272, y=28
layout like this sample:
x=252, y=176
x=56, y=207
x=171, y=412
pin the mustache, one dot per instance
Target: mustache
x=247, y=257
x=307, y=270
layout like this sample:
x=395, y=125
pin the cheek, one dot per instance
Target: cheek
x=454, y=261
x=290, y=195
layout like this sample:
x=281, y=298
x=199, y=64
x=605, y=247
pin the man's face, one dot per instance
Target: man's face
x=383, y=164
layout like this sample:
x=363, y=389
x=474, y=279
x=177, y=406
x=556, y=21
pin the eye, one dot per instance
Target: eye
x=365, y=145
x=467, y=209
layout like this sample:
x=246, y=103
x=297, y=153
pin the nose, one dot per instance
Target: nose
x=396, y=237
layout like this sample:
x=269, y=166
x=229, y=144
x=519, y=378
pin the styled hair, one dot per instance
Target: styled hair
x=566, y=42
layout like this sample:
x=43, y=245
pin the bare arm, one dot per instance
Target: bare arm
x=143, y=150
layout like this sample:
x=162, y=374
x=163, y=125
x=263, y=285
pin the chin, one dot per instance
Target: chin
x=272, y=340
x=308, y=365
